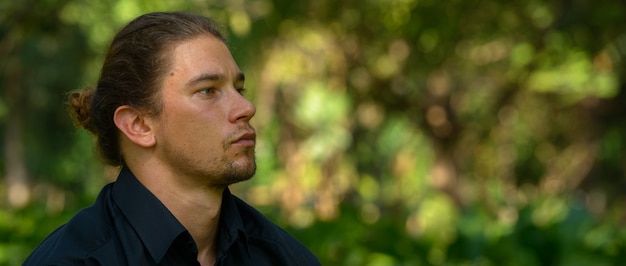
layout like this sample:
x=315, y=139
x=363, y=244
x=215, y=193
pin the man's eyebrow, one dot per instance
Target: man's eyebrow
x=240, y=77
x=213, y=77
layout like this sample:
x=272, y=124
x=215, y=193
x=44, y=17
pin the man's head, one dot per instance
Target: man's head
x=154, y=71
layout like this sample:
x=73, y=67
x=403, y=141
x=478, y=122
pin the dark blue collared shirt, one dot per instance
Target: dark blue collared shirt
x=128, y=225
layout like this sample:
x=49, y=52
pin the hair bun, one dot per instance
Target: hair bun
x=80, y=106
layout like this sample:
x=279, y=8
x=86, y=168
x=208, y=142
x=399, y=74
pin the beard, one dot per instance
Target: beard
x=235, y=173
x=217, y=171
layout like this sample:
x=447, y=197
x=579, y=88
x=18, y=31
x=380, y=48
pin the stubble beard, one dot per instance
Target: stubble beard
x=236, y=173
x=221, y=171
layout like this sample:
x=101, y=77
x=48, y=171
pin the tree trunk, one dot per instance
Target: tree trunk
x=16, y=177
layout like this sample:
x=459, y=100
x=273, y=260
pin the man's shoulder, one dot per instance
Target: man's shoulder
x=86, y=232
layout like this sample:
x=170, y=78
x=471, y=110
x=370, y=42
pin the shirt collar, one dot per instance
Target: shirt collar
x=231, y=226
x=154, y=223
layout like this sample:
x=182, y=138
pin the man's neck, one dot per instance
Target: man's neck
x=197, y=208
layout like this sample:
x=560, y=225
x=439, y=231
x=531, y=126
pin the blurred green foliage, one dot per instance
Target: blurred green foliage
x=397, y=132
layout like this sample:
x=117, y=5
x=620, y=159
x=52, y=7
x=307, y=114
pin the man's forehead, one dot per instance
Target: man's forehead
x=205, y=59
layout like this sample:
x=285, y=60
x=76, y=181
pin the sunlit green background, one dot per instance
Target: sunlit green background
x=392, y=132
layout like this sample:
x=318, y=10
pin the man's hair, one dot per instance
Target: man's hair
x=134, y=68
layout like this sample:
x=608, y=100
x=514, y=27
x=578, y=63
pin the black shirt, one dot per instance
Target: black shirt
x=128, y=225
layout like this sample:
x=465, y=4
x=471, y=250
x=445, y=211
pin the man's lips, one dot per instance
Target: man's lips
x=247, y=139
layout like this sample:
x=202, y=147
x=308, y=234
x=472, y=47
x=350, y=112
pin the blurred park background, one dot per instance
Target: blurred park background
x=391, y=132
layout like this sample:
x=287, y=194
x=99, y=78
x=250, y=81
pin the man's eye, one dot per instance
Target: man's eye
x=208, y=91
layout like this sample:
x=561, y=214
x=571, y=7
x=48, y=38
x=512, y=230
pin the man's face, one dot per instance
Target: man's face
x=203, y=131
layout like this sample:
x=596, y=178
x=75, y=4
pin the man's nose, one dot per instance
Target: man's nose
x=242, y=109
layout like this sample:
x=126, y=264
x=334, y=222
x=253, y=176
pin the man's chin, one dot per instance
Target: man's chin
x=239, y=173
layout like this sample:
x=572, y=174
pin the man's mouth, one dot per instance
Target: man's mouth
x=247, y=139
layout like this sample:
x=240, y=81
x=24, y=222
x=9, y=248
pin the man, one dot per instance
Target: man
x=168, y=109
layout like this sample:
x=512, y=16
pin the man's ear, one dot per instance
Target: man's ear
x=135, y=126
